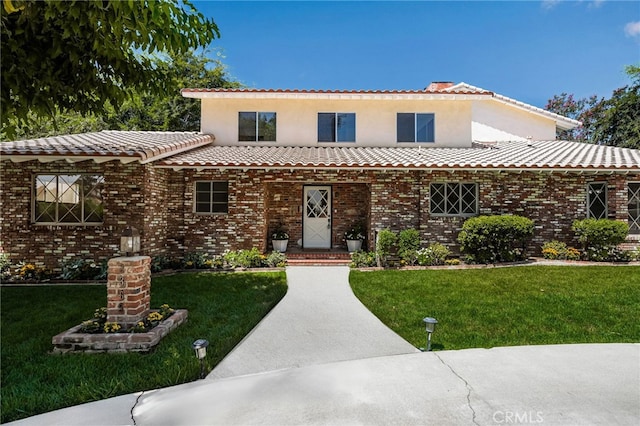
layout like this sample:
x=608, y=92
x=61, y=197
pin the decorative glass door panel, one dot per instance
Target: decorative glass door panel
x=317, y=217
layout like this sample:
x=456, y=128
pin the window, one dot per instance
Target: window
x=68, y=199
x=597, y=200
x=633, y=205
x=413, y=127
x=212, y=197
x=453, y=199
x=257, y=126
x=336, y=127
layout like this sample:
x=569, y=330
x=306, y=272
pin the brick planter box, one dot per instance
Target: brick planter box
x=71, y=341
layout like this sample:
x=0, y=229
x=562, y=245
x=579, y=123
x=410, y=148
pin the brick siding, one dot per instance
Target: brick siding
x=160, y=203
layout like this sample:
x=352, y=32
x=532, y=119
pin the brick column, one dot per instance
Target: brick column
x=128, y=290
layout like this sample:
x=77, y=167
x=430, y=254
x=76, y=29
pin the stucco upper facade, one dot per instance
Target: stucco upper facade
x=462, y=114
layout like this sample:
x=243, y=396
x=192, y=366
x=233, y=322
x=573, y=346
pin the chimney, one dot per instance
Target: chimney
x=436, y=86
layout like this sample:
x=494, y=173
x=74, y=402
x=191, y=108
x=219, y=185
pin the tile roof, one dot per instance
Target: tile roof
x=108, y=144
x=451, y=90
x=536, y=155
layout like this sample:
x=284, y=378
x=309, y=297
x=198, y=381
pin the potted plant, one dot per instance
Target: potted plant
x=354, y=236
x=279, y=238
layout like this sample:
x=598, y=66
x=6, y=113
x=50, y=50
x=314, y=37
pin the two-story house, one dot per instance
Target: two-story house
x=316, y=162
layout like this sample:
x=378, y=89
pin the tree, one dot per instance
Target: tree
x=614, y=121
x=82, y=55
x=143, y=110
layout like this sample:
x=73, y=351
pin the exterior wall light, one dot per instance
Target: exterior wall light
x=200, y=348
x=130, y=241
x=431, y=327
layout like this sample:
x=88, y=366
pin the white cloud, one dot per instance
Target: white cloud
x=549, y=4
x=632, y=29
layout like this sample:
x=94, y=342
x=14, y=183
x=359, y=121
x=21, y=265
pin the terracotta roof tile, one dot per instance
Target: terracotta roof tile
x=502, y=155
x=144, y=146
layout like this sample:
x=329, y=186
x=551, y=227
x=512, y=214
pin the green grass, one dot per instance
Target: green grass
x=223, y=308
x=529, y=305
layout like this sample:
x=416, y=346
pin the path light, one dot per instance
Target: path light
x=431, y=327
x=130, y=241
x=200, y=347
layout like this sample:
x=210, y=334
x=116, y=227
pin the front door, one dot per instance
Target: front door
x=316, y=222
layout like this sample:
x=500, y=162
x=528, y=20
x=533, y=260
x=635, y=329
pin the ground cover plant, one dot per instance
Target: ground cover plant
x=526, y=305
x=223, y=308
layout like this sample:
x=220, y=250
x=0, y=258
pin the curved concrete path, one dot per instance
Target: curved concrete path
x=318, y=321
x=321, y=358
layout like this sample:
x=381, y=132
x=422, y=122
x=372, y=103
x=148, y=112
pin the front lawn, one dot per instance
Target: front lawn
x=223, y=308
x=528, y=305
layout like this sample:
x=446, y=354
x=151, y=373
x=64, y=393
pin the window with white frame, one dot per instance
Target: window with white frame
x=68, y=199
x=633, y=205
x=336, y=127
x=212, y=197
x=415, y=127
x=453, y=199
x=597, y=200
x=257, y=126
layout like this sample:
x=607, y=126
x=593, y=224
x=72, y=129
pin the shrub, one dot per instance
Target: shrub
x=491, y=239
x=29, y=271
x=244, y=258
x=275, y=259
x=599, y=237
x=362, y=259
x=435, y=254
x=384, y=245
x=558, y=250
x=408, y=245
x=199, y=260
x=82, y=269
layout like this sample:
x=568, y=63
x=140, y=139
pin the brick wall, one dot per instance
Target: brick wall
x=159, y=202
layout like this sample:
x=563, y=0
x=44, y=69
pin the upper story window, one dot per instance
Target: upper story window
x=257, y=126
x=453, y=199
x=68, y=199
x=413, y=127
x=633, y=205
x=212, y=197
x=336, y=127
x=597, y=200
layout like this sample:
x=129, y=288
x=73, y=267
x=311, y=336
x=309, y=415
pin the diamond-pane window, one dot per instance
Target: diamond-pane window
x=453, y=199
x=633, y=206
x=597, y=200
x=68, y=199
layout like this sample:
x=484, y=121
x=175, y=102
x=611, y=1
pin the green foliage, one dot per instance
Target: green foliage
x=76, y=55
x=435, y=254
x=408, y=245
x=384, y=245
x=614, y=121
x=490, y=307
x=275, y=259
x=491, y=239
x=555, y=250
x=362, y=259
x=244, y=258
x=356, y=232
x=83, y=269
x=599, y=238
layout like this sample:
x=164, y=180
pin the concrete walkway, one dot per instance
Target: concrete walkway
x=321, y=358
x=318, y=321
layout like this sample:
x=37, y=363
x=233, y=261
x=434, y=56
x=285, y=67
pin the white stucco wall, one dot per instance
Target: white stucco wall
x=496, y=121
x=297, y=120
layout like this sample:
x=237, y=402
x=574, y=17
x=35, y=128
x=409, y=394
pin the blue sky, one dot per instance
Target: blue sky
x=527, y=50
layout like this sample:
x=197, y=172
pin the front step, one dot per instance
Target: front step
x=318, y=258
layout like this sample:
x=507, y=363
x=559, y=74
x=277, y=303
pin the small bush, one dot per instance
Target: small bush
x=199, y=260
x=435, y=254
x=408, y=245
x=363, y=259
x=244, y=258
x=599, y=237
x=82, y=269
x=491, y=239
x=384, y=245
x=557, y=250
x=452, y=262
x=275, y=259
